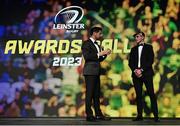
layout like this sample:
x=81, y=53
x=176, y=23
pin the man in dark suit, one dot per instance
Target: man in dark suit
x=93, y=55
x=140, y=61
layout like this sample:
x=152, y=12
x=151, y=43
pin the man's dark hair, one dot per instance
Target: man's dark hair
x=95, y=29
x=139, y=32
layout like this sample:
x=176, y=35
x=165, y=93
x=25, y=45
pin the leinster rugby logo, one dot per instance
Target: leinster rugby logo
x=68, y=18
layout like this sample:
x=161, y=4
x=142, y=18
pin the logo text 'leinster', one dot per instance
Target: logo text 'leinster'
x=68, y=18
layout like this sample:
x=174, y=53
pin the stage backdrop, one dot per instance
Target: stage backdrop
x=41, y=61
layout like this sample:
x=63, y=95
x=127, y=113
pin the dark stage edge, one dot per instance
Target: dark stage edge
x=81, y=121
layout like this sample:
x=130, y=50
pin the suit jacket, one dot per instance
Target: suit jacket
x=147, y=59
x=92, y=62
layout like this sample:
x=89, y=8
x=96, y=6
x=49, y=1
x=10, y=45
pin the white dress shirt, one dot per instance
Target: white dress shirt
x=139, y=55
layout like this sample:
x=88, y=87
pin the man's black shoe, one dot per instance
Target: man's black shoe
x=156, y=119
x=138, y=119
x=91, y=119
x=103, y=118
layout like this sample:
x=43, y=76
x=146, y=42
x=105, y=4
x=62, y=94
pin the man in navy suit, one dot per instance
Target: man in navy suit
x=93, y=55
x=140, y=61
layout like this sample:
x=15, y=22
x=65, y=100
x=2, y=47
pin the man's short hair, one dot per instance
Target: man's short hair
x=139, y=32
x=95, y=29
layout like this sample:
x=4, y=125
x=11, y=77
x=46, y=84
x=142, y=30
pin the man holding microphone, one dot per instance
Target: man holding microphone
x=93, y=55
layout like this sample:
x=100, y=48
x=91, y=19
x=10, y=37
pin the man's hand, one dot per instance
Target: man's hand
x=108, y=51
x=105, y=52
x=138, y=72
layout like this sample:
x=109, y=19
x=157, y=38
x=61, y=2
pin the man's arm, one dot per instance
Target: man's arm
x=136, y=71
x=87, y=53
x=91, y=55
x=131, y=61
x=101, y=58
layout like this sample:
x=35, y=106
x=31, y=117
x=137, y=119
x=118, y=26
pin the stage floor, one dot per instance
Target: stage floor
x=82, y=121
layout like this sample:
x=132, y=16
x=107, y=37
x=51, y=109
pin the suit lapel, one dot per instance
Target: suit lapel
x=92, y=45
x=143, y=51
